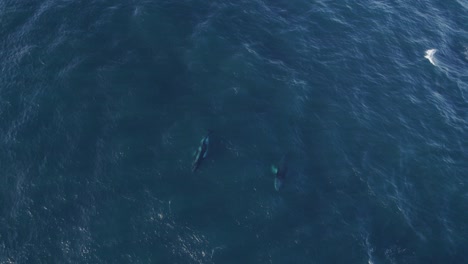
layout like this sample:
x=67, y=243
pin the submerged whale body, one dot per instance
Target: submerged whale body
x=280, y=173
x=202, y=151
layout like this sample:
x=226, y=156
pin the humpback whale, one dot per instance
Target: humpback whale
x=201, y=152
x=280, y=172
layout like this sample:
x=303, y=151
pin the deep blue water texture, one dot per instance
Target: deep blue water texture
x=103, y=102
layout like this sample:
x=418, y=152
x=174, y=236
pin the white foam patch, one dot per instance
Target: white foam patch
x=430, y=56
x=370, y=250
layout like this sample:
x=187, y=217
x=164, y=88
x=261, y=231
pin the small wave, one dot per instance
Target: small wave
x=369, y=250
x=466, y=52
x=430, y=56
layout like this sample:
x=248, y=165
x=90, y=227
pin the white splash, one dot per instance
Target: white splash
x=430, y=55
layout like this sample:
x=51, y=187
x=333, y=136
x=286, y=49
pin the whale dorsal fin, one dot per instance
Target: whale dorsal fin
x=274, y=169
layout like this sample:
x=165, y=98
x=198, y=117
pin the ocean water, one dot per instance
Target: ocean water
x=103, y=102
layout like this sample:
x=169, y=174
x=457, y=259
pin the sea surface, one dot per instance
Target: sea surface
x=102, y=104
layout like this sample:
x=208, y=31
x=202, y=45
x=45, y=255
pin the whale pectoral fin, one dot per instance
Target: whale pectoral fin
x=274, y=169
x=204, y=155
x=278, y=184
x=194, y=153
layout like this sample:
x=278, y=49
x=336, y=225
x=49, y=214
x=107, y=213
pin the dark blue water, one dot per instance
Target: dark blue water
x=103, y=102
